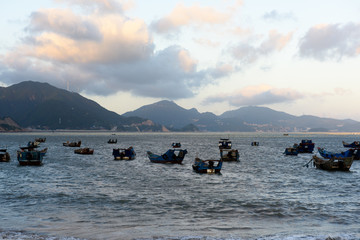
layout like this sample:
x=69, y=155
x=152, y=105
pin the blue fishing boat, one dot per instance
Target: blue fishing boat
x=176, y=145
x=291, y=151
x=348, y=153
x=4, y=155
x=207, y=166
x=224, y=143
x=124, y=154
x=30, y=156
x=168, y=157
x=354, y=144
x=229, y=155
x=305, y=146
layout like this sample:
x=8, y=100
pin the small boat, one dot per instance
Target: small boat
x=30, y=156
x=328, y=155
x=305, y=146
x=291, y=151
x=176, y=145
x=207, y=166
x=72, y=144
x=333, y=164
x=4, y=155
x=40, y=140
x=84, y=151
x=228, y=155
x=33, y=144
x=124, y=154
x=168, y=157
x=254, y=143
x=354, y=144
x=112, y=141
x=224, y=143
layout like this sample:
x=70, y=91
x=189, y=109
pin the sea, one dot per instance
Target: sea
x=264, y=196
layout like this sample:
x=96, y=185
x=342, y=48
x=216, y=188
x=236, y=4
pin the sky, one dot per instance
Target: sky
x=301, y=57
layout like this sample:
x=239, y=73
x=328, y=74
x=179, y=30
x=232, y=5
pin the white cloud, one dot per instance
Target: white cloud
x=331, y=41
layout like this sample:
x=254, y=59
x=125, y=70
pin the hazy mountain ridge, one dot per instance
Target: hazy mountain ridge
x=42, y=106
x=247, y=119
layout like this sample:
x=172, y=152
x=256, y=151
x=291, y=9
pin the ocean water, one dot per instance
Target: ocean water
x=264, y=196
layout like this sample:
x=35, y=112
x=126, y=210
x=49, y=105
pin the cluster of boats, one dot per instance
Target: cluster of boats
x=331, y=161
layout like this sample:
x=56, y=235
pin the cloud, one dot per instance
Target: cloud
x=247, y=53
x=331, y=41
x=193, y=15
x=102, y=6
x=275, y=15
x=256, y=95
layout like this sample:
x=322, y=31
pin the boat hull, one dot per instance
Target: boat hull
x=33, y=158
x=333, y=164
x=124, y=154
x=229, y=155
x=168, y=157
x=207, y=166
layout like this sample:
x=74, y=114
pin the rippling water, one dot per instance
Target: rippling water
x=264, y=196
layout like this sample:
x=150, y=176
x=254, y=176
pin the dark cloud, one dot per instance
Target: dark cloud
x=331, y=41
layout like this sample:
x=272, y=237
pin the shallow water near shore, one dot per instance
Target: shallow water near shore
x=266, y=195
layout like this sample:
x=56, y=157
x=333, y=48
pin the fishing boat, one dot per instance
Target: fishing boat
x=333, y=164
x=84, y=151
x=4, y=155
x=305, y=146
x=291, y=151
x=229, y=155
x=40, y=140
x=176, y=145
x=124, y=154
x=254, y=143
x=30, y=156
x=207, y=166
x=72, y=144
x=328, y=155
x=354, y=144
x=112, y=141
x=224, y=143
x=33, y=144
x=168, y=157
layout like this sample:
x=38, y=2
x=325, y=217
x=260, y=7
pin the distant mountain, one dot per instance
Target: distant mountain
x=7, y=125
x=42, y=106
x=246, y=119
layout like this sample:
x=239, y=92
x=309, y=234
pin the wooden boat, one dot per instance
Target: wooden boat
x=4, y=155
x=85, y=151
x=228, y=155
x=328, y=155
x=168, y=157
x=254, y=143
x=291, y=151
x=305, y=146
x=72, y=144
x=176, y=145
x=354, y=144
x=333, y=164
x=40, y=140
x=207, y=166
x=124, y=154
x=112, y=141
x=30, y=156
x=224, y=143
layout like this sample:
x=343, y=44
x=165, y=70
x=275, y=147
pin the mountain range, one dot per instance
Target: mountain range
x=35, y=105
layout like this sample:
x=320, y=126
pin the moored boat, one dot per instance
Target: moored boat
x=72, y=144
x=254, y=143
x=333, y=164
x=176, y=145
x=168, y=157
x=291, y=151
x=124, y=154
x=85, y=151
x=347, y=153
x=305, y=146
x=112, y=141
x=225, y=143
x=207, y=166
x=4, y=155
x=355, y=144
x=30, y=156
x=40, y=140
x=228, y=155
